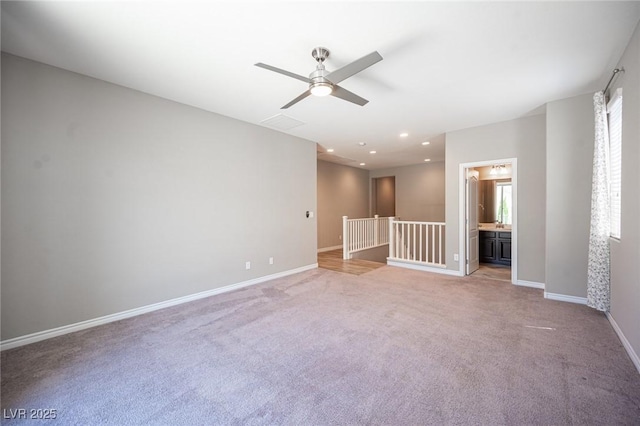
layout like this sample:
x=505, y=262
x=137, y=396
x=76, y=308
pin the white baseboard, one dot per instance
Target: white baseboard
x=323, y=249
x=565, y=298
x=66, y=329
x=632, y=354
x=420, y=267
x=531, y=284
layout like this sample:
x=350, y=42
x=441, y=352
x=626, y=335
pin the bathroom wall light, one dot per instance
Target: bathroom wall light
x=499, y=169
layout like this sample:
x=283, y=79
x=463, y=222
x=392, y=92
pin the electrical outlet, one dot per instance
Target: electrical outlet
x=247, y=265
x=340, y=237
x=456, y=257
x=271, y=261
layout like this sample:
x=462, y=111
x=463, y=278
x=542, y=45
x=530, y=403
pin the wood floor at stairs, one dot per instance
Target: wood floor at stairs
x=333, y=260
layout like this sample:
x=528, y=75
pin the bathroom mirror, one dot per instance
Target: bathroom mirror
x=495, y=201
x=494, y=194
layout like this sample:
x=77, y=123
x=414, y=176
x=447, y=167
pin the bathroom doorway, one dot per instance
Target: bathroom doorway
x=488, y=224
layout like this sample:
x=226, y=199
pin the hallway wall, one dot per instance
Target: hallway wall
x=420, y=190
x=342, y=191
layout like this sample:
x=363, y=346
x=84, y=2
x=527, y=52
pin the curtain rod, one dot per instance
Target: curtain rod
x=615, y=72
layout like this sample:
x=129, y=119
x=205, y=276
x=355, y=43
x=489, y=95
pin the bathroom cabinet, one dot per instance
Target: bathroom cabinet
x=495, y=247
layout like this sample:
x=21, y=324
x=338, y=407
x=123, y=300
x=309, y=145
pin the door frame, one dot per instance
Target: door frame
x=462, y=206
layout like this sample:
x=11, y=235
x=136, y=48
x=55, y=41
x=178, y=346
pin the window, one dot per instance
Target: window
x=503, y=202
x=614, y=108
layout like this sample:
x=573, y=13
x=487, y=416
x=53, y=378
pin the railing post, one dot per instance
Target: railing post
x=345, y=238
x=440, y=245
x=375, y=230
x=392, y=238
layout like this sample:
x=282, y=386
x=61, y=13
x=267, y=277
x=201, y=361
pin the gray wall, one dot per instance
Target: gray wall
x=625, y=254
x=342, y=191
x=570, y=131
x=113, y=199
x=524, y=139
x=419, y=191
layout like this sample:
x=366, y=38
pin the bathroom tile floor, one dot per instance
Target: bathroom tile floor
x=495, y=272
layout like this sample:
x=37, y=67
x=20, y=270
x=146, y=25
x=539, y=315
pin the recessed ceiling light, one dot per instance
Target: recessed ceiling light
x=427, y=159
x=426, y=143
x=362, y=143
x=330, y=150
x=404, y=135
x=363, y=164
x=372, y=152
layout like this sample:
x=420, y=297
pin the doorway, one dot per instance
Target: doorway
x=383, y=194
x=488, y=219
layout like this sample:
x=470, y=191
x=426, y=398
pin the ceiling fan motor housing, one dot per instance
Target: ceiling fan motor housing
x=319, y=85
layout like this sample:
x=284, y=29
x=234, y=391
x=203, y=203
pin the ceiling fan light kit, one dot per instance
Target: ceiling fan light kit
x=321, y=89
x=323, y=83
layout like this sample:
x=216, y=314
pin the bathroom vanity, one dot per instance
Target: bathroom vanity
x=495, y=245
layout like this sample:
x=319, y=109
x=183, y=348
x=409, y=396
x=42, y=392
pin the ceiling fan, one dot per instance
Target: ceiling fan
x=323, y=83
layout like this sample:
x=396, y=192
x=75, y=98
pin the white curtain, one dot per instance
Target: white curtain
x=598, y=293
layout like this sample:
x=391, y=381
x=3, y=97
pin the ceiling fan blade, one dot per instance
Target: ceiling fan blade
x=281, y=71
x=298, y=99
x=342, y=93
x=353, y=68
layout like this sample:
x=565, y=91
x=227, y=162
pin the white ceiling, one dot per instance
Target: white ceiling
x=446, y=66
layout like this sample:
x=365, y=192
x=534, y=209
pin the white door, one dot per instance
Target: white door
x=473, y=262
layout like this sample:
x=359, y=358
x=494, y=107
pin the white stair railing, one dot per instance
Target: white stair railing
x=362, y=234
x=417, y=242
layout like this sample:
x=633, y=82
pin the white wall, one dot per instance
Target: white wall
x=524, y=139
x=419, y=190
x=342, y=191
x=113, y=199
x=625, y=254
x=570, y=133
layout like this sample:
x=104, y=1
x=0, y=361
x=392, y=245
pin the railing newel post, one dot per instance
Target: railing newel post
x=345, y=237
x=392, y=238
x=375, y=230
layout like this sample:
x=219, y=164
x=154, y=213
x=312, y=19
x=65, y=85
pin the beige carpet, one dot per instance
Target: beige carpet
x=392, y=347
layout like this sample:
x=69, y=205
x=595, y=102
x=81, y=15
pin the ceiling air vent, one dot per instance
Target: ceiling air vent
x=281, y=122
